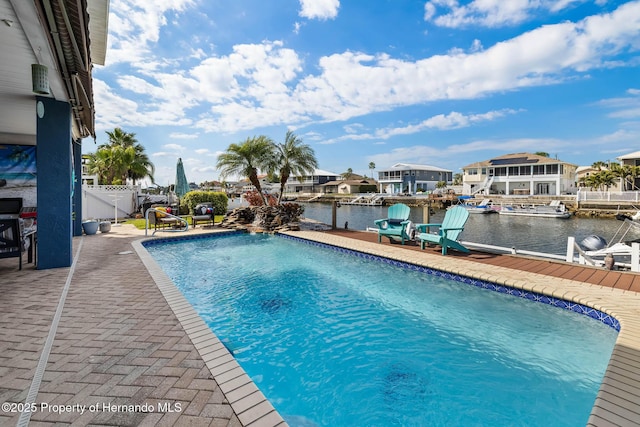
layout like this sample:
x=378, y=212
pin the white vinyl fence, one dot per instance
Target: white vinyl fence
x=105, y=202
x=608, y=196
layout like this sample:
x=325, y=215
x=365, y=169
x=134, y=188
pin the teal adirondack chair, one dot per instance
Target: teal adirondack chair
x=451, y=227
x=395, y=225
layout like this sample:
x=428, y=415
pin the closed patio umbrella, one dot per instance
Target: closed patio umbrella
x=181, y=184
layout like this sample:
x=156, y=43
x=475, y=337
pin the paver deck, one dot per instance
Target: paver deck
x=126, y=336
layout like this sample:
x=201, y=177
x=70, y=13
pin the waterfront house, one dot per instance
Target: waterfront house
x=310, y=183
x=583, y=172
x=351, y=186
x=412, y=178
x=520, y=174
x=631, y=159
x=48, y=52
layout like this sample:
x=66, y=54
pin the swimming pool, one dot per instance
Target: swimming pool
x=323, y=334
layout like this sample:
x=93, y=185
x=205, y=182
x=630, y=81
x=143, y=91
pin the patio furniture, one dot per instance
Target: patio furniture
x=160, y=219
x=395, y=225
x=450, y=229
x=203, y=212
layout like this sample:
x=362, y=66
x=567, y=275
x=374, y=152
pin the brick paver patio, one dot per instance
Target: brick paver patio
x=117, y=343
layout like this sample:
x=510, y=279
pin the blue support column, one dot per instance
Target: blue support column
x=77, y=188
x=54, y=168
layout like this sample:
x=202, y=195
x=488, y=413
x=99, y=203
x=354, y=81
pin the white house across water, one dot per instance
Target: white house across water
x=412, y=178
x=520, y=174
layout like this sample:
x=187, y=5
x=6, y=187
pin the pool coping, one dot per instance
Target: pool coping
x=618, y=399
x=247, y=401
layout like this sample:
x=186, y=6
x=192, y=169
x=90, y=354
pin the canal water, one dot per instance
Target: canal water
x=547, y=235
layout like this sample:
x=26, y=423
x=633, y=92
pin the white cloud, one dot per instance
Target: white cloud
x=134, y=27
x=319, y=9
x=489, y=13
x=178, y=135
x=266, y=84
x=627, y=107
x=174, y=147
x=453, y=120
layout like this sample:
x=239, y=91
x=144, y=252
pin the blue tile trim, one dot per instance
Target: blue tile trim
x=533, y=296
x=159, y=241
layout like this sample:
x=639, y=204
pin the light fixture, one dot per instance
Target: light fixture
x=39, y=79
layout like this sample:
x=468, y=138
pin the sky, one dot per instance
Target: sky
x=444, y=83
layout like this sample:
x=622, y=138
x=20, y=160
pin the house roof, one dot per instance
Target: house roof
x=634, y=155
x=67, y=37
x=516, y=159
x=413, y=166
x=320, y=172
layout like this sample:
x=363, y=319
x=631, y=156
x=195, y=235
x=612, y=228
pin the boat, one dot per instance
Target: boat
x=556, y=209
x=619, y=249
x=486, y=206
x=622, y=217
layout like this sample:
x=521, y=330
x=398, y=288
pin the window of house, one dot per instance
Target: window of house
x=500, y=171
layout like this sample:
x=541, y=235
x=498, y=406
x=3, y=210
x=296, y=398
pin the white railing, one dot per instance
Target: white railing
x=486, y=185
x=165, y=215
x=113, y=188
x=608, y=196
x=574, y=254
x=583, y=258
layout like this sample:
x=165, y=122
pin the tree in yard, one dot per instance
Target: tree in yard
x=626, y=173
x=347, y=174
x=247, y=158
x=121, y=158
x=372, y=167
x=293, y=158
x=599, y=165
x=457, y=179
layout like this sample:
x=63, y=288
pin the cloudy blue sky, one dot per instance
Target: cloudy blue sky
x=439, y=82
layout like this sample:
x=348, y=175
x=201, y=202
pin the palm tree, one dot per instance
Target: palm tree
x=606, y=179
x=121, y=158
x=246, y=158
x=626, y=173
x=372, y=167
x=457, y=178
x=599, y=165
x=347, y=174
x=293, y=157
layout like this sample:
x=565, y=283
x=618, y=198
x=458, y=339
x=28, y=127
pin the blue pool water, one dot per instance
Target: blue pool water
x=337, y=340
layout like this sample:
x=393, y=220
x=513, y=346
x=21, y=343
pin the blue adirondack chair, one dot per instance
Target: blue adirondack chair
x=451, y=227
x=395, y=225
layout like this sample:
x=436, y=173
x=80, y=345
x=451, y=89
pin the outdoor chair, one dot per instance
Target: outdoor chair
x=448, y=233
x=395, y=226
x=10, y=240
x=203, y=212
x=159, y=219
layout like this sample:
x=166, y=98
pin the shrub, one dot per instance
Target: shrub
x=292, y=210
x=218, y=200
x=254, y=199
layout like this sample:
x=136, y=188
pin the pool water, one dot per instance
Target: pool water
x=337, y=340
